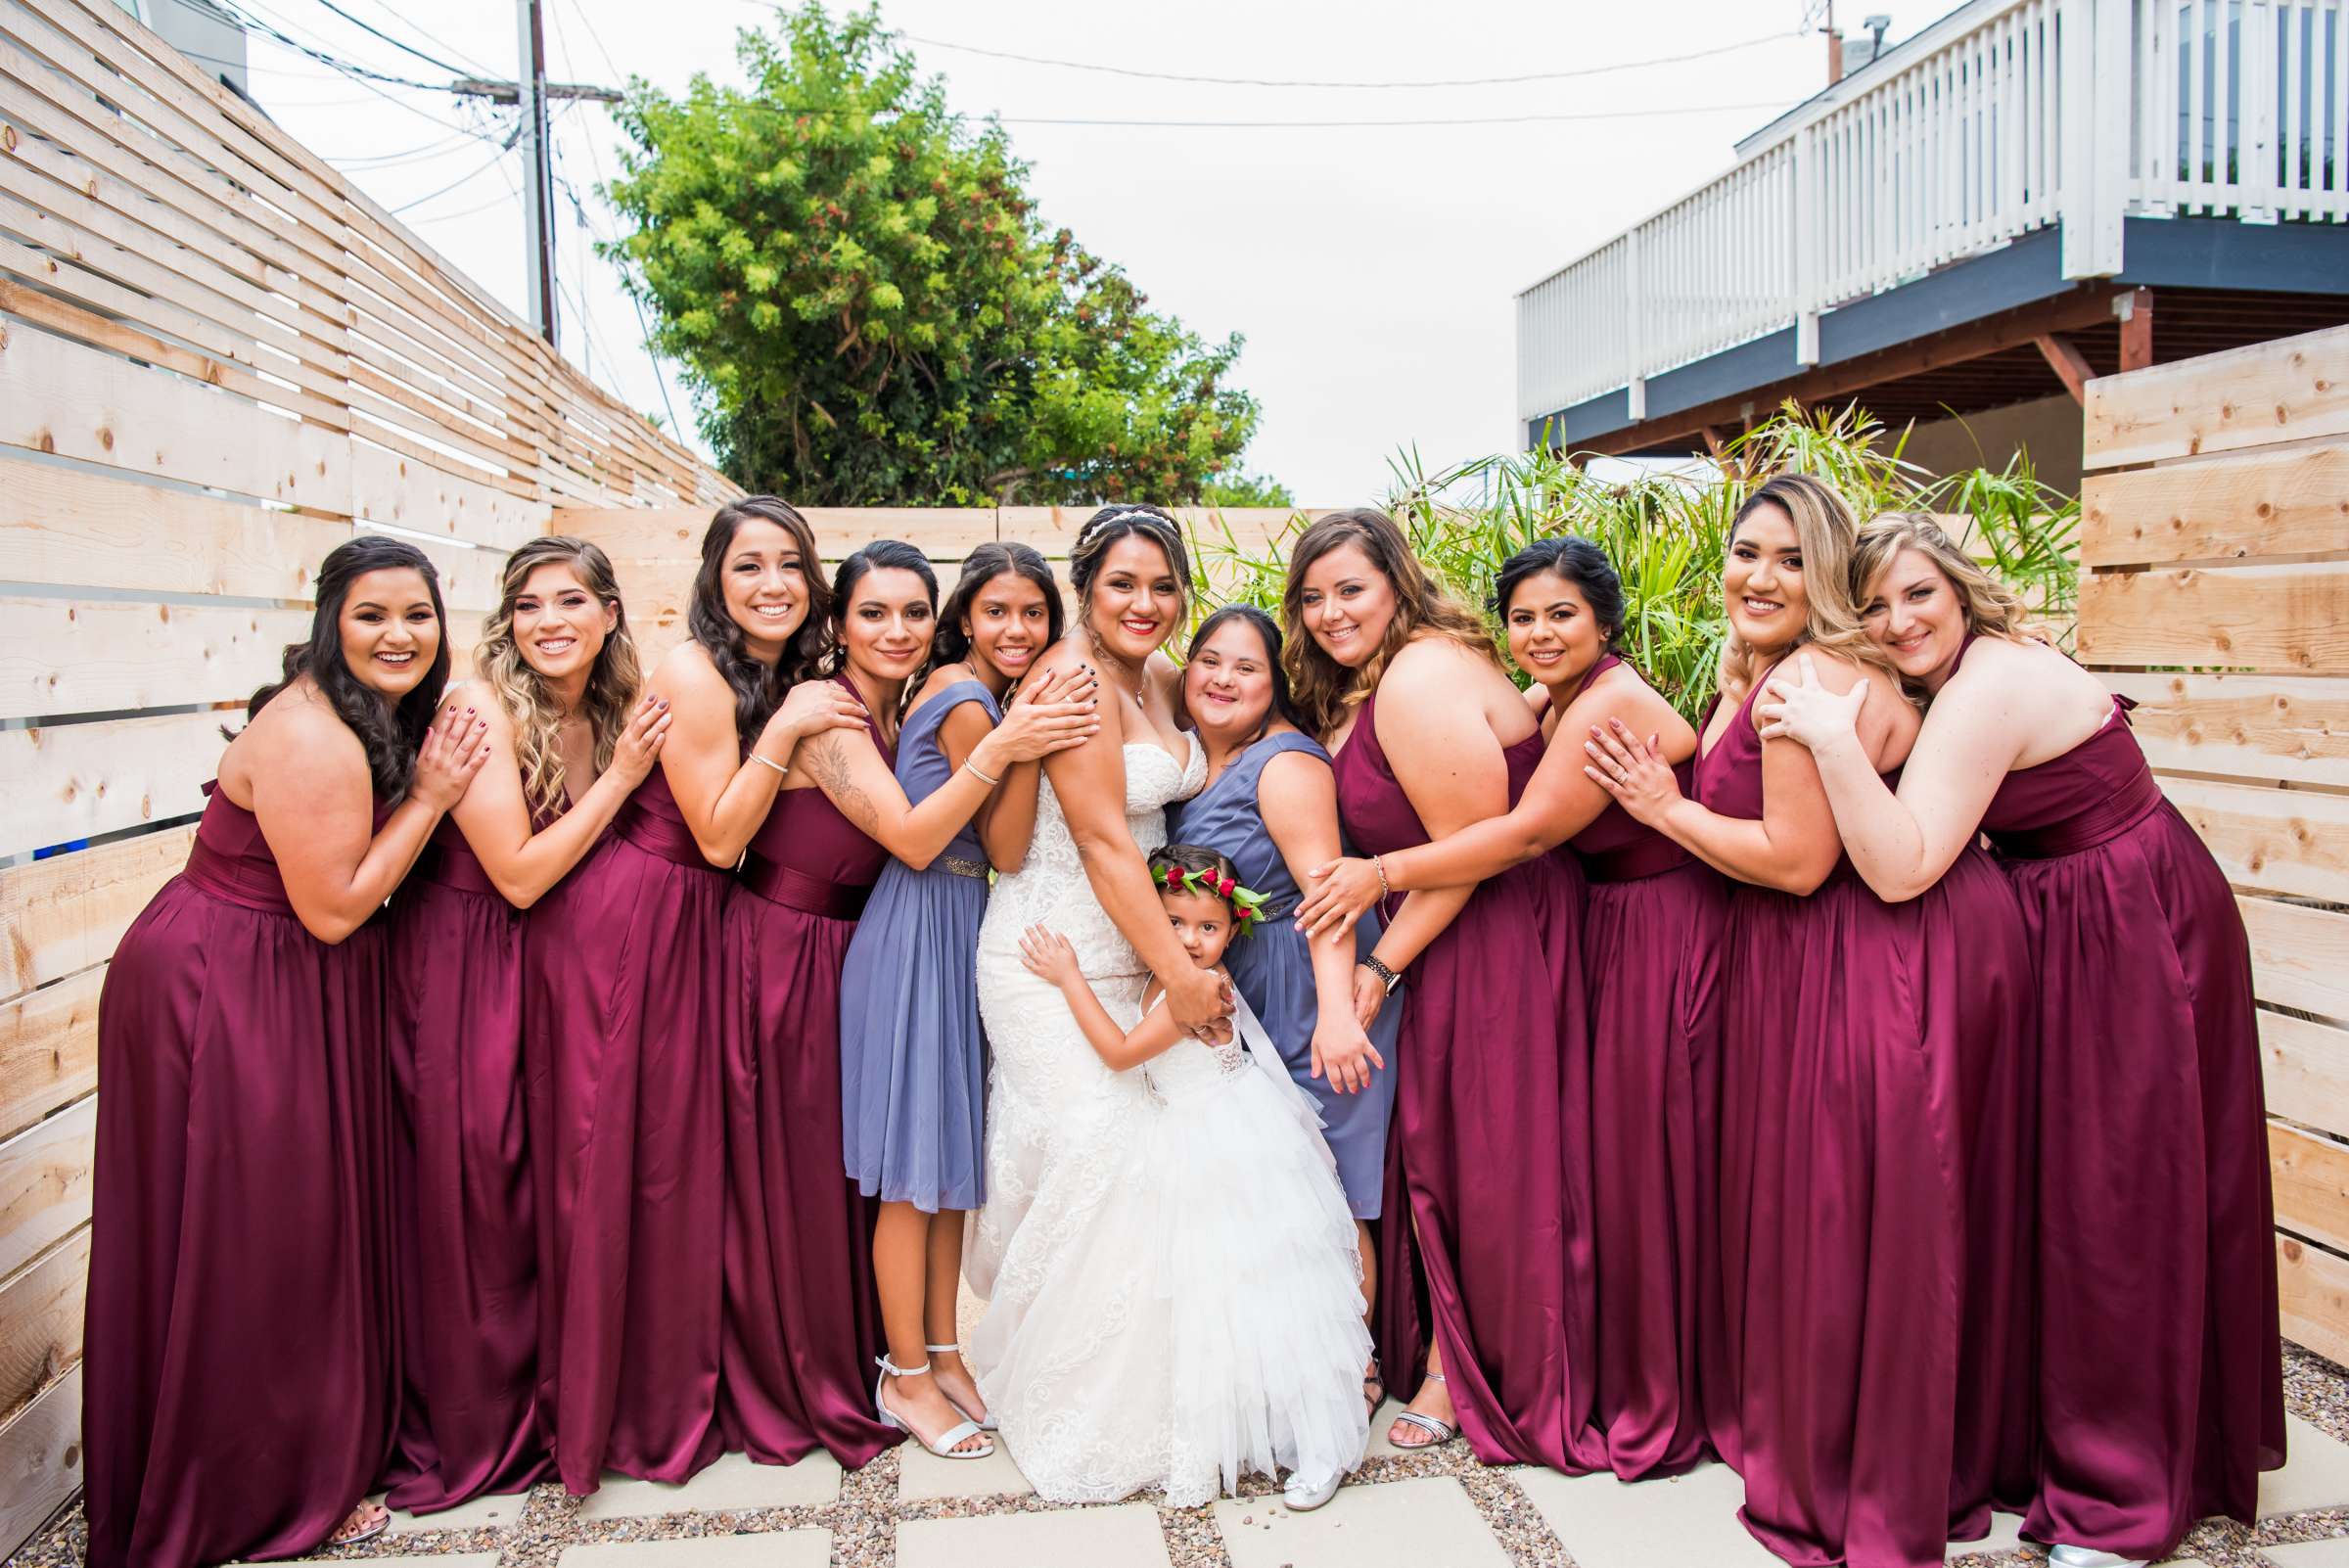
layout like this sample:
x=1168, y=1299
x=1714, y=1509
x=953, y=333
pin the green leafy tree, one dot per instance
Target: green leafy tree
x=871, y=311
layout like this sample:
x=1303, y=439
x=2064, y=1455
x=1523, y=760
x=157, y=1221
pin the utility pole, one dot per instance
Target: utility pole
x=531, y=93
x=539, y=207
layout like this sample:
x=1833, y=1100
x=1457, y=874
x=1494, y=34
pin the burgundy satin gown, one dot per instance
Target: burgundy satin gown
x=1489, y=1151
x=1651, y=963
x=802, y=1322
x=1874, y=1105
x=2160, y=1381
x=464, y=1202
x=622, y=1011
x=242, y=1331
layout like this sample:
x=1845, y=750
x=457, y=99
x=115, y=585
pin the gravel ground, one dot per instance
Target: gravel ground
x=864, y=1520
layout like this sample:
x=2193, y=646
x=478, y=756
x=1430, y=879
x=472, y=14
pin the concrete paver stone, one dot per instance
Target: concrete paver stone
x=1605, y=1523
x=778, y=1548
x=2315, y=1473
x=2332, y=1554
x=1396, y=1524
x=1123, y=1535
x=923, y=1477
x=732, y=1483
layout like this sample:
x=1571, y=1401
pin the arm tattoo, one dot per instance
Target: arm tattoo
x=828, y=766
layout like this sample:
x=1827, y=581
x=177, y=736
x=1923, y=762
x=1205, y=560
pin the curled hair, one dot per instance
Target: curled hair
x=1579, y=562
x=391, y=732
x=1267, y=631
x=1824, y=531
x=986, y=562
x=890, y=554
x=1992, y=609
x=1110, y=524
x=758, y=690
x=1326, y=690
x=1189, y=857
x=530, y=704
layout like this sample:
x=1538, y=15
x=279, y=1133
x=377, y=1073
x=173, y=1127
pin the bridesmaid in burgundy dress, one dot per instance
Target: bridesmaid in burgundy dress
x=1651, y=963
x=243, y=1349
x=623, y=1010
x=2159, y=1380
x=1869, y=1186
x=1486, y=1235
x=803, y=1320
x=558, y=677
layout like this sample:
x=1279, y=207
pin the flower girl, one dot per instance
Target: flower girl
x=1245, y=1339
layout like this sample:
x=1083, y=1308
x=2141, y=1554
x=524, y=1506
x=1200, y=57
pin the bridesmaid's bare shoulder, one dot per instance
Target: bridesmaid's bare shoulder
x=687, y=671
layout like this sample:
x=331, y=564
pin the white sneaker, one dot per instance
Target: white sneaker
x=2087, y=1557
x=1304, y=1497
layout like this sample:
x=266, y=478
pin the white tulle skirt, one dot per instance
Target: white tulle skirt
x=1205, y=1317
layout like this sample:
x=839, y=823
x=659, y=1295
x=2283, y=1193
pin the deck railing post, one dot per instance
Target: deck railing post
x=2092, y=105
x=1805, y=247
x=1635, y=339
x=2255, y=166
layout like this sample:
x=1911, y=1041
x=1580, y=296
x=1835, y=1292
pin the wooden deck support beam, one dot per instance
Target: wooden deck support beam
x=2135, y=309
x=2070, y=365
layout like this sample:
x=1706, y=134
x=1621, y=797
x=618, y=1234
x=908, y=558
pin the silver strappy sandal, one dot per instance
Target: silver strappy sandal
x=1439, y=1432
x=987, y=1422
x=945, y=1448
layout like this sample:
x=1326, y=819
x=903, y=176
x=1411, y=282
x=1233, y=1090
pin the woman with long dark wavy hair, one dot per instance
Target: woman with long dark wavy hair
x=624, y=1009
x=1486, y=1244
x=1651, y=968
x=568, y=741
x=243, y=1353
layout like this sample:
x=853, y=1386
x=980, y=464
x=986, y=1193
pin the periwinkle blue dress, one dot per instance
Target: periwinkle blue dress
x=1274, y=968
x=912, y=1060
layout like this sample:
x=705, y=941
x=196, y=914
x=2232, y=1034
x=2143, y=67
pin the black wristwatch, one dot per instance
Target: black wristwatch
x=1387, y=977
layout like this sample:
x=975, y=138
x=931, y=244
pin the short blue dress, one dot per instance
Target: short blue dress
x=1274, y=968
x=912, y=1060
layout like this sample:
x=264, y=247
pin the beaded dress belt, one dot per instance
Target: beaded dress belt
x=961, y=867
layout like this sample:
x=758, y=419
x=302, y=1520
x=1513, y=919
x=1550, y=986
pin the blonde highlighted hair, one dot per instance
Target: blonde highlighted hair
x=1992, y=609
x=529, y=702
x=1826, y=533
x=1326, y=691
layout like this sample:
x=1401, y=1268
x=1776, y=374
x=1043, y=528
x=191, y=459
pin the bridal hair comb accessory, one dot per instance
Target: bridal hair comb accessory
x=1247, y=905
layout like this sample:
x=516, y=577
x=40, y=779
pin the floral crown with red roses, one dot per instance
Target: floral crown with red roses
x=1213, y=879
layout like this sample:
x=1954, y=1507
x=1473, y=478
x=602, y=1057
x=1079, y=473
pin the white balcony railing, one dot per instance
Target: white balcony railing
x=2004, y=116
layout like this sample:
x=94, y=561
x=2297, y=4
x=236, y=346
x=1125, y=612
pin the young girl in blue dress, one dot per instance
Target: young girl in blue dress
x=913, y=1063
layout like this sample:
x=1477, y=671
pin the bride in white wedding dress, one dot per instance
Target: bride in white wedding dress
x=1056, y=1117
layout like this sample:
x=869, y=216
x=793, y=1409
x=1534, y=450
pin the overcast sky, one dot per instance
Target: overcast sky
x=1372, y=268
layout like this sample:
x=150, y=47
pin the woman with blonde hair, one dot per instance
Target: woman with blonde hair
x=2159, y=1384
x=568, y=741
x=1491, y=1100
x=1870, y=1094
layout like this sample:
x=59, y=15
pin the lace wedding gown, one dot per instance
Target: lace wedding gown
x=1174, y=1290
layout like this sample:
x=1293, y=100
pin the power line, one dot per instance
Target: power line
x=1388, y=124
x=405, y=48
x=1348, y=86
x=484, y=168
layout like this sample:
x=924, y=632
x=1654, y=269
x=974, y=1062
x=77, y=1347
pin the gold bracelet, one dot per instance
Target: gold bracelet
x=1379, y=867
x=990, y=783
x=772, y=762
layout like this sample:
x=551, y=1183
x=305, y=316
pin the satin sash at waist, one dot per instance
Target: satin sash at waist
x=661, y=835
x=460, y=869
x=1650, y=856
x=2108, y=819
x=797, y=890
x=240, y=881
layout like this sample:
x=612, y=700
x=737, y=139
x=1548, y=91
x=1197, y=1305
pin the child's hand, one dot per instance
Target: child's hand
x=1048, y=955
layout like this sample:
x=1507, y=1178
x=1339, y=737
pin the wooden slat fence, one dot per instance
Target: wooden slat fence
x=2215, y=549
x=218, y=362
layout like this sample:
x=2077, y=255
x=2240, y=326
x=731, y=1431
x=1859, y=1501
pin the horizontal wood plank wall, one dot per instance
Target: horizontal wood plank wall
x=218, y=362
x=2215, y=537
x=657, y=550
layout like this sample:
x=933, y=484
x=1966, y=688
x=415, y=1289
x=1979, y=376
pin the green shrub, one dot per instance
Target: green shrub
x=1666, y=530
